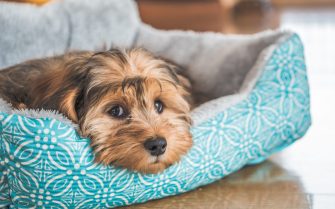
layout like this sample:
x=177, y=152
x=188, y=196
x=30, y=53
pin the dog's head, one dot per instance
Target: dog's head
x=134, y=108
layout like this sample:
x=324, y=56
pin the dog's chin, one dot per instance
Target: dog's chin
x=133, y=156
x=142, y=162
x=153, y=167
x=147, y=165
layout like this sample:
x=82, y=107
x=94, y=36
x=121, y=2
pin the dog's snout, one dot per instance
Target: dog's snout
x=155, y=146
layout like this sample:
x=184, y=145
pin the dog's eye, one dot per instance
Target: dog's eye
x=117, y=111
x=159, y=106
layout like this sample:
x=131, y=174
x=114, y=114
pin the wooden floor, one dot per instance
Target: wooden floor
x=300, y=177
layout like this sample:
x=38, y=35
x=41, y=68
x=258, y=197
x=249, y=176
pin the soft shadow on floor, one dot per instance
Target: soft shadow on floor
x=266, y=186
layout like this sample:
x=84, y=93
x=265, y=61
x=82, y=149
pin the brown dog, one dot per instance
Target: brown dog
x=132, y=105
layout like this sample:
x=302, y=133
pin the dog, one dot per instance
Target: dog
x=134, y=107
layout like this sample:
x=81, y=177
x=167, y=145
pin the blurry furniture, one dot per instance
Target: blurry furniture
x=39, y=2
x=186, y=14
x=228, y=16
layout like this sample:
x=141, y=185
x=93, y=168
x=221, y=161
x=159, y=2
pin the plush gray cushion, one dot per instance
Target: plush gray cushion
x=253, y=90
x=29, y=31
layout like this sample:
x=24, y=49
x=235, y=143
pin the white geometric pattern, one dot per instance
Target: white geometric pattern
x=45, y=163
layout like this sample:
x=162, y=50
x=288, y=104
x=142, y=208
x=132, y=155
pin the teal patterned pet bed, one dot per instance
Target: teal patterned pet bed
x=254, y=101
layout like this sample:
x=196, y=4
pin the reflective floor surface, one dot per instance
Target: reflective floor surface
x=302, y=176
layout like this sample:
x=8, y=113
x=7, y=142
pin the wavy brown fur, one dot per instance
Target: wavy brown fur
x=85, y=85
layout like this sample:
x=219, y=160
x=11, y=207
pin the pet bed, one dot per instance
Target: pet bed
x=254, y=101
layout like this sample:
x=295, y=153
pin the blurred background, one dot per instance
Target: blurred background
x=302, y=176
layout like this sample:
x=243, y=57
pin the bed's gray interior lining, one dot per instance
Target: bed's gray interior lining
x=28, y=31
x=217, y=64
x=216, y=105
x=223, y=69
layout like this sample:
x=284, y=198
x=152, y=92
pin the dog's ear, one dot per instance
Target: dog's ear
x=71, y=103
x=75, y=85
x=185, y=83
x=177, y=73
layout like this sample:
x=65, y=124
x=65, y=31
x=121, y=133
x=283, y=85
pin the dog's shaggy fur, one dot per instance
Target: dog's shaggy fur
x=121, y=100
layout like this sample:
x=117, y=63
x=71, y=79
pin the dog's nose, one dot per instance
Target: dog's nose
x=155, y=146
